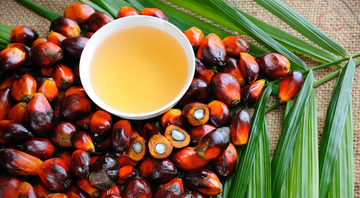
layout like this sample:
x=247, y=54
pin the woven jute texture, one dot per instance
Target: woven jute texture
x=340, y=19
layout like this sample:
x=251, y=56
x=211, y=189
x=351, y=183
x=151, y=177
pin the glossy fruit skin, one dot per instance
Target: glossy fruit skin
x=155, y=13
x=249, y=67
x=67, y=157
x=19, y=163
x=196, y=133
x=65, y=26
x=121, y=136
x=23, y=88
x=7, y=82
x=76, y=90
x=84, y=123
x=46, y=54
x=239, y=127
x=17, y=112
x=78, y=12
x=195, y=37
x=57, y=195
x=55, y=38
x=126, y=172
x=156, y=139
x=6, y=102
x=213, y=143
x=149, y=130
x=203, y=71
x=212, y=50
x=23, y=34
x=219, y=113
x=191, y=194
x=100, y=125
x=41, y=148
x=63, y=76
x=74, y=46
x=173, y=188
x=127, y=11
x=81, y=163
x=234, y=45
x=75, y=107
x=50, y=90
x=11, y=59
x=12, y=132
x=189, y=113
x=130, y=152
x=125, y=160
x=251, y=93
x=186, y=159
x=103, y=146
x=55, y=175
x=40, y=189
x=137, y=187
x=62, y=134
x=173, y=116
x=198, y=91
x=88, y=34
x=104, y=172
x=39, y=115
x=226, y=88
x=82, y=140
x=203, y=181
x=112, y=196
x=26, y=190
x=232, y=67
x=97, y=20
x=85, y=186
x=115, y=190
x=225, y=164
x=75, y=192
x=157, y=171
x=273, y=65
x=37, y=41
x=290, y=84
x=177, y=143
x=9, y=185
x=24, y=48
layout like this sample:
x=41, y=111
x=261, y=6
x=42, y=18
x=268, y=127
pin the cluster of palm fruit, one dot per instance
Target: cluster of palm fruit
x=55, y=142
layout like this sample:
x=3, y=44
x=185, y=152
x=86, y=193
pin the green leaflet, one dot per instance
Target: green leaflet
x=95, y=6
x=288, y=106
x=106, y=6
x=334, y=124
x=259, y=184
x=49, y=14
x=117, y=4
x=4, y=41
x=2, y=47
x=302, y=177
x=285, y=145
x=342, y=185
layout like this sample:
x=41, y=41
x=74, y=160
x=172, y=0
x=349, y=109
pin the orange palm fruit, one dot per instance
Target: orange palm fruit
x=149, y=130
x=137, y=187
x=57, y=195
x=249, y=67
x=239, y=127
x=103, y=146
x=191, y=194
x=80, y=163
x=195, y=37
x=19, y=163
x=74, y=46
x=67, y=157
x=12, y=132
x=37, y=41
x=85, y=122
x=76, y=90
x=136, y=150
x=203, y=71
x=9, y=185
x=23, y=34
x=100, y=125
x=290, y=84
x=173, y=116
x=40, y=189
x=85, y=186
x=75, y=107
x=273, y=65
x=121, y=135
x=186, y=159
x=213, y=143
x=197, y=133
x=11, y=59
x=178, y=137
x=62, y=134
x=7, y=82
x=212, y=50
x=124, y=160
x=234, y=45
x=173, y=188
x=155, y=13
x=97, y=20
x=46, y=54
x=226, y=88
x=26, y=49
x=204, y=181
x=78, y=12
x=126, y=172
x=56, y=175
x=219, y=113
x=225, y=164
x=63, y=76
x=104, y=172
x=38, y=147
x=115, y=190
x=251, y=93
x=196, y=113
x=55, y=38
x=157, y=171
x=26, y=190
x=127, y=11
x=82, y=140
x=159, y=146
x=50, y=90
x=47, y=71
x=39, y=115
x=75, y=192
x=23, y=88
x=198, y=91
x=232, y=67
x=65, y=26
x=6, y=102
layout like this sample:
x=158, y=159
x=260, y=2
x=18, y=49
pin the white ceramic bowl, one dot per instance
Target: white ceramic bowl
x=118, y=24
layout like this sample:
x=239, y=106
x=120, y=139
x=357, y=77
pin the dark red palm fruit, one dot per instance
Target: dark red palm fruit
x=198, y=91
x=93, y=159
x=212, y=50
x=46, y=54
x=213, y=143
x=80, y=163
x=56, y=110
x=56, y=175
x=196, y=113
x=67, y=157
x=79, y=90
x=127, y=11
x=155, y=12
x=75, y=107
x=26, y=49
x=78, y=12
x=88, y=34
x=100, y=125
x=23, y=88
x=17, y=112
x=195, y=37
x=173, y=188
x=57, y=195
x=197, y=133
x=40, y=189
x=19, y=163
x=62, y=134
x=177, y=136
x=6, y=102
x=191, y=194
x=46, y=71
x=23, y=34
x=290, y=85
x=203, y=181
x=251, y=93
x=104, y=172
x=157, y=171
x=26, y=190
x=234, y=45
x=103, y=146
x=159, y=147
x=50, y=90
x=232, y=67
x=65, y=26
x=7, y=82
x=239, y=127
x=126, y=172
x=97, y=20
x=84, y=123
x=249, y=67
x=75, y=192
x=219, y=113
x=37, y=41
x=55, y=38
x=38, y=147
x=124, y=160
x=9, y=185
x=186, y=159
x=203, y=71
x=225, y=164
x=85, y=186
x=115, y=190
x=137, y=187
x=136, y=150
x=63, y=76
x=149, y=130
x=12, y=132
x=82, y=140
x=173, y=116
x=121, y=136
x=226, y=88
x=39, y=115
x=273, y=65
x=74, y=45
x=11, y=59
x=113, y=196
